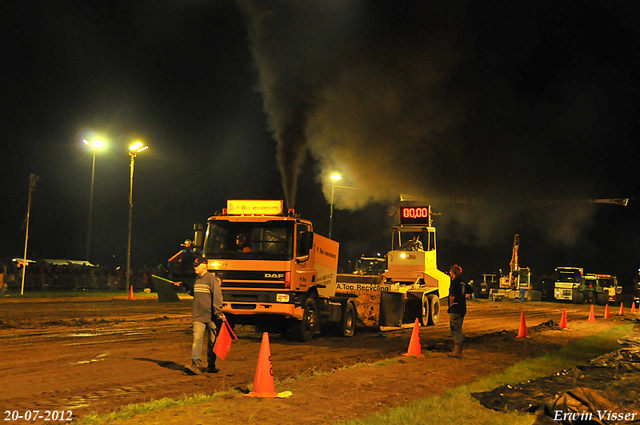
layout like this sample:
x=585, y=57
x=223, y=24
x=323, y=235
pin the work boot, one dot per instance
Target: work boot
x=195, y=368
x=457, y=352
x=211, y=363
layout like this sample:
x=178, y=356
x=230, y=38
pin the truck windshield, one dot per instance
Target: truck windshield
x=605, y=282
x=568, y=276
x=371, y=266
x=271, y=240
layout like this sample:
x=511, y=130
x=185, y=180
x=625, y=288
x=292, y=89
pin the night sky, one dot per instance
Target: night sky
x=507, y=117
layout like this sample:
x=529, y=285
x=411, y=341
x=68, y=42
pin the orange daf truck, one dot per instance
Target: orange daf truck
x=276, y=272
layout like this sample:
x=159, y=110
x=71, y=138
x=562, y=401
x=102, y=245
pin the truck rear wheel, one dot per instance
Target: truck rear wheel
x=434, y=309
x=348, y=325
x=305, y=329
x=602, y=298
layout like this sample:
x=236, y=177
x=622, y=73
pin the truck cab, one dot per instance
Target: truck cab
x=568, y=281
x=371, y=266
x=415, y=266
x=608, y=286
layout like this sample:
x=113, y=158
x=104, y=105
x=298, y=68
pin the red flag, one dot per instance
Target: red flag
x=223, y=342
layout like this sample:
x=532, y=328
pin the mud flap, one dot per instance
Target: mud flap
x=391, y=308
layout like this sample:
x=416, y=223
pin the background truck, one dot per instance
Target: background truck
x=568, y=281
x=518, y=279
x=571, y=283
x=600, y=289
x=412, y=285
x=490, y=281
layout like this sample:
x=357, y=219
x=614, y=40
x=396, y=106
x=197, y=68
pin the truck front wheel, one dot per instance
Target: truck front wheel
x=305, y=329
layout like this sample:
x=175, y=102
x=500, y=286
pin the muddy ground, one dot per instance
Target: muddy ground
x=99, y=354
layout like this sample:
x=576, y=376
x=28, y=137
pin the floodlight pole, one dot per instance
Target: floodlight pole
x=133, y=160
x=33, y=179
x=333, y=189
x=93, y=174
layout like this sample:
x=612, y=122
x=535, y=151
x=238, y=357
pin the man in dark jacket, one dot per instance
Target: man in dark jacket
x=458, y=291
x=205, y=312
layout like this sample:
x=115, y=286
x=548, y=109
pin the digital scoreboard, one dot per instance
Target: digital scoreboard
x=415, y=215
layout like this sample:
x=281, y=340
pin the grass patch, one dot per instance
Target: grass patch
x=150, y=406
x=320, y=373
x=457, y=406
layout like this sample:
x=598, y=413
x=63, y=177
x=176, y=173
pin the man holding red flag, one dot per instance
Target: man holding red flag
x=206, y=315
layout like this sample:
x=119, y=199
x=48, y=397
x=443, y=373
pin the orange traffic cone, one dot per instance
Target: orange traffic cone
x=592, y=314
x=414, y=343
x=633, y=307
x=621, y=313
x=131, y=292
x=522, y=332
x=606, y=312
x=263, y=382
x=563, y=320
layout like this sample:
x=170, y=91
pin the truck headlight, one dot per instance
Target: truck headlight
x=282, y=298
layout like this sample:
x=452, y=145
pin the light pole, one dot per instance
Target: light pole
x=95, y=145
x=134, y=149
x=334, y=178
x=33, y=181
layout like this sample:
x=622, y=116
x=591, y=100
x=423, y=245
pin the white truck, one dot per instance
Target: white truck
x=568, y=281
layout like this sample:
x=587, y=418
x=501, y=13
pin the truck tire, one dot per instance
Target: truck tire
x=602, y=298
x=577, y=297
x=348, y=324
x=304, y=329
x=425, y=310
x=434, y=309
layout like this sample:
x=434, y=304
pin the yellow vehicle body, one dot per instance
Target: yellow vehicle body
x=410, y=289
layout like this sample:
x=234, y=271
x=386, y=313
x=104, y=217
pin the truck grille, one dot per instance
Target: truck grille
x=243, y=306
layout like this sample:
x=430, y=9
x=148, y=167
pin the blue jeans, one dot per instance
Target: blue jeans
x=455, y=321
x=198, y=337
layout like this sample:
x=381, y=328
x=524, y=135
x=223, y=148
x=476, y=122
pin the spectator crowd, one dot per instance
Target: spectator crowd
x=42, y=275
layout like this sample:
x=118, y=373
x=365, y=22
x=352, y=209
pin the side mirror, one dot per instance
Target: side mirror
x=198, y=238
x=307, y=241
x=306, y=245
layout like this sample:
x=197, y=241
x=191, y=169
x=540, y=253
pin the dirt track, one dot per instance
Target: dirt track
x=98, y=354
